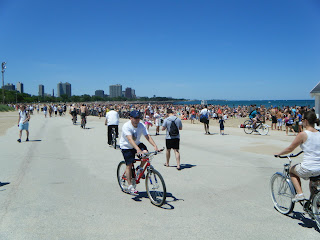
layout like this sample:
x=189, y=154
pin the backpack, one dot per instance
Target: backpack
x=174, y=131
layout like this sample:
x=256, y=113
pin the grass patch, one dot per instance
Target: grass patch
x=5, y=108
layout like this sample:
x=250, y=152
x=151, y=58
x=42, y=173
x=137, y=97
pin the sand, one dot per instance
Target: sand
x=7, y=120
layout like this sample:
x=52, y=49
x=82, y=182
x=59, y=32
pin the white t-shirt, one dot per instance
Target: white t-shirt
x=23, y=116
x=112, y=117
x=129, y=129
x=204, y=111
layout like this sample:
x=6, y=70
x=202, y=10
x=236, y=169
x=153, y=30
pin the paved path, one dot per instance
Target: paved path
x=62, y=185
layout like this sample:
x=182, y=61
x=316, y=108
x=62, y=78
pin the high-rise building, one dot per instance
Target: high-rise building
x=128, y=93
x=59, y=89
x=99, y=93
x=41, y=90
x=133, y=93
x=64, y=88
x=67, y=89
x=9, y=87
x=20, y=87
x=115, y=90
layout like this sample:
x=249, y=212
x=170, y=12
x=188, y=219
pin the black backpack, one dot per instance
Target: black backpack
x=174, y=130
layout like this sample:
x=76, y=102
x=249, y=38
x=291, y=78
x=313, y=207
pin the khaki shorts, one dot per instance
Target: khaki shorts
x=304, y=173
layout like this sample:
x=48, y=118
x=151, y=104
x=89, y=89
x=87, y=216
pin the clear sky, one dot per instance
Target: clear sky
x=204, y=49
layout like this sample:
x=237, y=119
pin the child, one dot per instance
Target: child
x=221, y=122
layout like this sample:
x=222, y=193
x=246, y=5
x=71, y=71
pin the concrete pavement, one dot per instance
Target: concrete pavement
x=62, y=185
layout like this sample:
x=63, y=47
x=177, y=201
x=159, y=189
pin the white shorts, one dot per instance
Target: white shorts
x=300, y=123
x=305, y=173
x=279, y=122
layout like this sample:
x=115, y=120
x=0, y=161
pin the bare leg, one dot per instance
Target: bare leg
x=295, y=180
x=129, y=174
x=27, y=134
x=168, y=156
x=177, y=157
x=20, y=133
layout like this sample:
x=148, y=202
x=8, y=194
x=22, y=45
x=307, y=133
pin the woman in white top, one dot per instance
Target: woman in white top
x=309, y=141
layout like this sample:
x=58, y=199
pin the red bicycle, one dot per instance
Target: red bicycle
x=155, y=185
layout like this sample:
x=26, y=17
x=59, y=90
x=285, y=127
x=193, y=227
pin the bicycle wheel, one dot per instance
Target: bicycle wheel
x=263, y=129
x=281, y=194
x=316, y=209
x=156, y=188
x=247, y=127
x=122, y=180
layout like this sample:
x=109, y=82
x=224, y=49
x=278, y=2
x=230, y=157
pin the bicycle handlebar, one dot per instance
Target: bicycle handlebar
x=144, y=155
x=291, y=155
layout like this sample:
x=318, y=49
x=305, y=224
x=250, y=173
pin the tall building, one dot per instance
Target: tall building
x=9, y=87
x=128, y=93
x=115, y=90
x=67, y=89
x=41, y=90
x=64, y=88
x=20, y=87
x=133, y=93
x=59, y=89
x=99, y=93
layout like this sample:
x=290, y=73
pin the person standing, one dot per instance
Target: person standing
x=204, y=118
x=23, y=122
x=112, y=120
x=172, y=124
x=221, y=123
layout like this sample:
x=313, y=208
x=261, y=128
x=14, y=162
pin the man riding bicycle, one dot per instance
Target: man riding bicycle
x=130, y=145
x=83, y=113
x=112, y=120
x=254, y=117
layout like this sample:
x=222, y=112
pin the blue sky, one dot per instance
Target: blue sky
x=193, y=49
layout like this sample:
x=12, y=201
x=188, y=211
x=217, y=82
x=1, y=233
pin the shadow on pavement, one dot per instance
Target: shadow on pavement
x=34, y=140
x=3, y=184
x=166, y=205
x=305, y=222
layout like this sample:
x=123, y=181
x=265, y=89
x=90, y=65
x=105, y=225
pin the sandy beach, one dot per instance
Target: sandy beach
x=62, y=183
x=7, y=120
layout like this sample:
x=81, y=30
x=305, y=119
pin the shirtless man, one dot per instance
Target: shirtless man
x=83, y=113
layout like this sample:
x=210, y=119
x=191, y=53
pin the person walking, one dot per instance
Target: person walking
x=204, y=118
x=172, y=124
x=45, y=110
x=23, y=122
x=221, y=123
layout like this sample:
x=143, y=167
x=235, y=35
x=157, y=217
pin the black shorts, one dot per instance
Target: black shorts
x=173, y=143
x=130, y=154
x=274, y=119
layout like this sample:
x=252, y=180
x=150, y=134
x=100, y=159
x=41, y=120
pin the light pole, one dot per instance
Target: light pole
x=3, y=69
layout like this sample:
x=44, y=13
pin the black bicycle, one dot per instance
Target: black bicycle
x=283, y=191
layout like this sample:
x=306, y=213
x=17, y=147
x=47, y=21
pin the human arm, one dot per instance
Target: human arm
x=150, y=140
x=300, y=138
x=19, y=119
x=28, y=118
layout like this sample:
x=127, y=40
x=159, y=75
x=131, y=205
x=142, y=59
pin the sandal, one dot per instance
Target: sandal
x=165, y=165
x=178, y=168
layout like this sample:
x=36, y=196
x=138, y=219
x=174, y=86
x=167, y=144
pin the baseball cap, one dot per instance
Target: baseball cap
x=135, y=114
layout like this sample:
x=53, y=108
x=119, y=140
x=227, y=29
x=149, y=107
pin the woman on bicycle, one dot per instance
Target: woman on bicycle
x=309, y=141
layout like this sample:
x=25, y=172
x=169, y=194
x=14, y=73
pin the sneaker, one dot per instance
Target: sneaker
x=19, y=140
x=27, y=140
x=298, y=197
x=132, y=190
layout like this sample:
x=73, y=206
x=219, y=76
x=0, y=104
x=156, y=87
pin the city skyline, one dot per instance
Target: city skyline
x=188, y=49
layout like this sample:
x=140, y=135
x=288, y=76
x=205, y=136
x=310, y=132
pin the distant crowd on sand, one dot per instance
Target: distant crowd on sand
x=280, y=117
